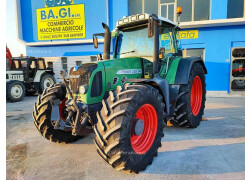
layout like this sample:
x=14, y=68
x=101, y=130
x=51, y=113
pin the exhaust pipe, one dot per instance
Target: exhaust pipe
x=107, y=39
x=156, y=48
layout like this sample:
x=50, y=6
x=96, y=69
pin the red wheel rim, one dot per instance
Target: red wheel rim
x=61, y=108
x=142, y=143
x=196, y=95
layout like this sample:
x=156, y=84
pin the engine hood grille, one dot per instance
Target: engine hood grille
x=80, y=75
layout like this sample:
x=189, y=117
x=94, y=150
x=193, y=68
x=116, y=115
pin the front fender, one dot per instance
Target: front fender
x=159, y=83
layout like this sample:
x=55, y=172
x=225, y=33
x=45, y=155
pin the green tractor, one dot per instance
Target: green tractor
x=127, y=99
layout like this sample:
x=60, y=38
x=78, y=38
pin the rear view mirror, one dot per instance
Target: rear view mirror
x=95, y=42
x=162, y=50
x=150, y=27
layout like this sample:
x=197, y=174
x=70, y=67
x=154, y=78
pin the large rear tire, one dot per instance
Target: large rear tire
x=130, y=127
x=191, y=99
x=42, y=115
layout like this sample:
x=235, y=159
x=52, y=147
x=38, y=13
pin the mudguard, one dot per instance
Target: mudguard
x=159, y=83
x=184, y=67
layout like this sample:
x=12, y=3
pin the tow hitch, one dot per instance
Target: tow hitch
x=75, y=110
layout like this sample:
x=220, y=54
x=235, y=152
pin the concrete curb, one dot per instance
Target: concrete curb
x=225, y=94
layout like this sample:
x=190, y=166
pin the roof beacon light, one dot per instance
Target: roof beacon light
x=179, y=10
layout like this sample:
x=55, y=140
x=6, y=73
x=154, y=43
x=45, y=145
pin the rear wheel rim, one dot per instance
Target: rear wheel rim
x=143, y=142
x=196, y=95
x=62, y=109
x=48, y=82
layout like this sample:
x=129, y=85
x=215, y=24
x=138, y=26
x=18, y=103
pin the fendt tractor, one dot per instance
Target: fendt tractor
x=127, y=99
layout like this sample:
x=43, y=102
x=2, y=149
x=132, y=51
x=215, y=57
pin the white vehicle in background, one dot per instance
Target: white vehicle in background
x=26, y=75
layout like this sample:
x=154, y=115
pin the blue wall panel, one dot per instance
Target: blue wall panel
x=64, y=50
x=217, y=42
x=118, y=9
x=219, y=9
x=26, y=19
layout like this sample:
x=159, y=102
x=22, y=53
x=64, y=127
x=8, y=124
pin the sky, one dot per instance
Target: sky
x=16, y=47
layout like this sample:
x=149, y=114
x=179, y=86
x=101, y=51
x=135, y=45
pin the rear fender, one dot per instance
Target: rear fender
x=184, y=68
x=39, y=75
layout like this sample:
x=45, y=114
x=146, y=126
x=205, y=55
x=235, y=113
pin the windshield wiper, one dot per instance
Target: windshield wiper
x=127, y=52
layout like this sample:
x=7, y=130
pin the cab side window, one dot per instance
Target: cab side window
x=167, y=40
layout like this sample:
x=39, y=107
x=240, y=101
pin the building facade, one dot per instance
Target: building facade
x=61, y=32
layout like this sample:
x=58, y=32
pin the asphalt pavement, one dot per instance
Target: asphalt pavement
x=214, y=150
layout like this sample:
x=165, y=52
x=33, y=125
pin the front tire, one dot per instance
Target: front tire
x=130, y=127
x=15, y=91
x=191, y=99
x=43, y=111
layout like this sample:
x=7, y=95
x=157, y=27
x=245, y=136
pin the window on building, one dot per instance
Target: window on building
x=168, y=11
x=93, y=58
x=194, y=10
x=201, y=10
x=151, y=6
x=135, y=7
x=235, y=8
x=186, y=10
x=143, y=6
x=78, y=63
x=64, y=63
x=194, y=52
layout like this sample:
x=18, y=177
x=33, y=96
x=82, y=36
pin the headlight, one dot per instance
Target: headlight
x=142, y=16
x=133, y=18
x=83, y=89
x=126, y=20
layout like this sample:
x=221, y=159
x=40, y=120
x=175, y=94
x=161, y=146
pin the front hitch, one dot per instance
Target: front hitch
x=79, y=108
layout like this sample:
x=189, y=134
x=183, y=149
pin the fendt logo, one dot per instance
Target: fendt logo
x=53, y=3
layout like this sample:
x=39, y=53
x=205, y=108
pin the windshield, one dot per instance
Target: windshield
x=136, y=43
x=133, y=43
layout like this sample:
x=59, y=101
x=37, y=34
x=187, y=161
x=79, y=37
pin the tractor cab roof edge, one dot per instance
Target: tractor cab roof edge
x=139, y=19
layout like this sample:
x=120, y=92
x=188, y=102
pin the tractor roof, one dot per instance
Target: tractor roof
x=142, y=18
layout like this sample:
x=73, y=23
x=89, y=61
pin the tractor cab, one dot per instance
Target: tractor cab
x=28, y=63
x=151, y=38
x=134, y=37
